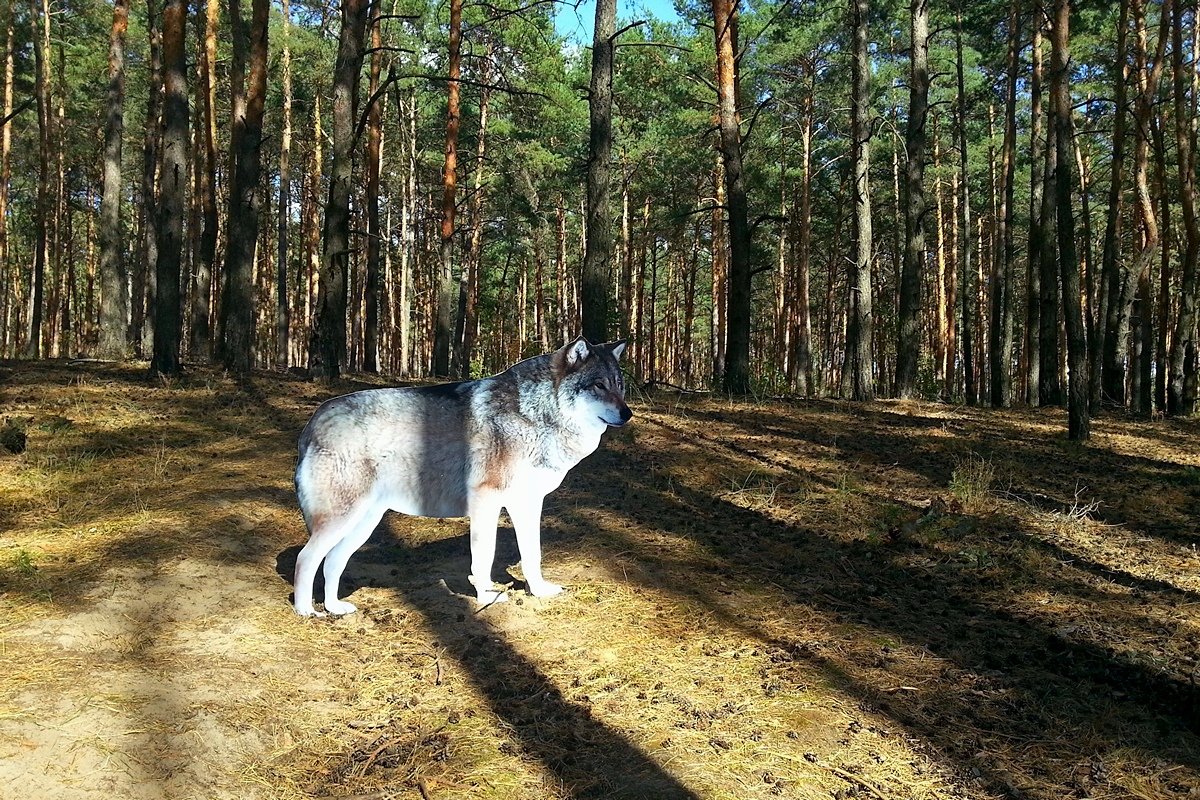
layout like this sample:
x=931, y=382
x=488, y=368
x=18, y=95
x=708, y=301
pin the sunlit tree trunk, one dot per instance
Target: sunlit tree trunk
x=1036, y=228
x=1180, y=396
x=970, y=388
x=857, y=382
x=737, y=339
x=40, y=10
x=167, y=322
x=1103, y=347
x=372, y=167
x=328, y=348
x=468, y=301
x=1077, y=390
x=8, y=295
x=1001, y=332
x=201, y=332
x=237, y=306
x=597, y=256
x=444, y=323
x=282, y=307
x=909, y=342
x=114, y=311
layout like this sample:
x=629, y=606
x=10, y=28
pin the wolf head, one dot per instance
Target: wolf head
x=590, y=384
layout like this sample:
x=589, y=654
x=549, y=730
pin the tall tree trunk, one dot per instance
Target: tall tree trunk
x=1001, y=334
x=1037, y=234
x=282, y=306
x=737, y=342
x=1110, y=276
x=857, y=382
x=201, y=333
x=720, y=275
x=1077, y=389
x=328, y=347
x=1162, y=347
x=1050, y=385
x=8, y=302
x=41, y=48
x=373, y=166
x=968, y=329
x=803, y=338
x=444, y=324
x=237, y=306
x=909, y=342
x=469, y=297
x=597, y=256
x=114, y=311
x=167, y=320
x=1180, y=397
x=144, y=292
x=1148, y=70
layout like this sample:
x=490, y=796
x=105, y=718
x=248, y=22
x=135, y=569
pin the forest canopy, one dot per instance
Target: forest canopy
x=987, y=202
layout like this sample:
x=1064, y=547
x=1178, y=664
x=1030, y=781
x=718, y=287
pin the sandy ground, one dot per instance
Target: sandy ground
x=804, y=600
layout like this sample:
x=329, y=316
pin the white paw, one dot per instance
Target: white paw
x=544, y=589
x=485, y=597
x=340, y=607
x=307, y=611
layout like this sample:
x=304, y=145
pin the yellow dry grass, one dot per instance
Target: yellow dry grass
x=766, y=599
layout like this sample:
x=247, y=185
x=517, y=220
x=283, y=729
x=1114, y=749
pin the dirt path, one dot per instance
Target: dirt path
x=766, y=600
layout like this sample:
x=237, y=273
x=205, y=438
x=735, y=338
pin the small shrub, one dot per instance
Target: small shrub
x=971, y=480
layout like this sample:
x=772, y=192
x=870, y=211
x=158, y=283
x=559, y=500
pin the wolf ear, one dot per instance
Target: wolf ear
x=576, y=352
x=616, y=348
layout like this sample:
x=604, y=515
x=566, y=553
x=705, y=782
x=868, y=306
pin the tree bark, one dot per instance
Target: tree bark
x=1077, y=389
x=1001, y=333
x=237, y=306
x=373, y=165
x=8, y=302
x=469, y=297
x=1117, y=328
x=443, y=322
x=167, y=320
x=857, y=382
x=908, y=345
x=1110, y=277
x=328, y=347
x=114, y=310
x=968, y=329
x=1181, y=398
x=1033, y=364
x=201, y=331
x=41, y=48
x=737, y=339
x=597, y=255
x=282, y=306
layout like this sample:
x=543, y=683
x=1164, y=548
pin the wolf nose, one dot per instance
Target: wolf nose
x=626, y=414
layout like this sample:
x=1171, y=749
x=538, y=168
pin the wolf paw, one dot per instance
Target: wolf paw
x=544, y=589
x=485, y=597
x=340, y=607
x=308, y=611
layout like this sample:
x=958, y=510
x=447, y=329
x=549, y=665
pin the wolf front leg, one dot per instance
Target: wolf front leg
x=527, y=519
x=485, y=516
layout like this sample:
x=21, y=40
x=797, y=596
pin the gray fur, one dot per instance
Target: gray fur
x=454, y=450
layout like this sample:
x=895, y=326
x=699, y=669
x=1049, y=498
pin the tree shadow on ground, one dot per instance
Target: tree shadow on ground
x=1017, y=693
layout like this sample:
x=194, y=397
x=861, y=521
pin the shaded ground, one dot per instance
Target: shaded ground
x=805, y=600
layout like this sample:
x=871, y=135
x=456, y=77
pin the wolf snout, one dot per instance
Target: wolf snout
x=624, y=415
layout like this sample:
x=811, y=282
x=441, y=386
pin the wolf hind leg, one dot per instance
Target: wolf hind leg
x=326, y=531
x=485, y=517
x=527, y=519
x=335, y=562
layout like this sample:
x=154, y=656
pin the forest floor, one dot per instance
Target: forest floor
x=803, y=599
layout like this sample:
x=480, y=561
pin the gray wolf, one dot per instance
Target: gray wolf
x=463, y=449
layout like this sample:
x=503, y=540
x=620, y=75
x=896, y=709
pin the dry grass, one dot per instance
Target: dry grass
x=766, y=600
